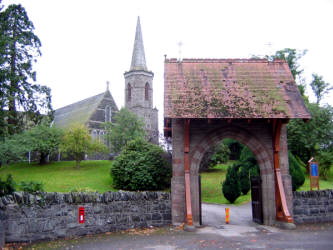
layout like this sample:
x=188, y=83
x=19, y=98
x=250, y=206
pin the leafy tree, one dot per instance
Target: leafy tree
x=78, y=142
x=19, y=47
x=305, y=139
x=141, y=166
x=221, y=154
x=13, y=149
x=44, y=140
x=126, y=127
x=325, y=163
x=244, y=179
x=231, y=186
x=235, y=148
x=319, y=87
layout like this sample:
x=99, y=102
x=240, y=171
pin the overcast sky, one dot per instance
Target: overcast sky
x=86, y=43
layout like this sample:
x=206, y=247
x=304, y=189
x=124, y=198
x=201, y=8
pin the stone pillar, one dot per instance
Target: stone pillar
x=178, y=181
x=284, y=165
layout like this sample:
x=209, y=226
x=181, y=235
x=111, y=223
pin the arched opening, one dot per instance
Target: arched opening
x=129, y=92
x=147, y=91
x=262, y=154
x=231, y=162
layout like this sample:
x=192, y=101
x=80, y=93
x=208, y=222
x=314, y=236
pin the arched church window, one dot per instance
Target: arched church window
x=108, y=114
x=94, y=134
x=129, y=91
x=147, y=91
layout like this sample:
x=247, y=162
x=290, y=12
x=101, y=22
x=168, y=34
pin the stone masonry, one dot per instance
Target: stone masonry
x=27, y=217
x=257, y=135
x=313, y=206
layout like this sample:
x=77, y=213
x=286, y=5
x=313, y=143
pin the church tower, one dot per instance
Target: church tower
x=139, y=88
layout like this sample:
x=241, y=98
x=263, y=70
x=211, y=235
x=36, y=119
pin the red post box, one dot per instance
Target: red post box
x=81, y=215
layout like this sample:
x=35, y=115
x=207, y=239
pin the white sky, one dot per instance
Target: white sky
x=85, y=42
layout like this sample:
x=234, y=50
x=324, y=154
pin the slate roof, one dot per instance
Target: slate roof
x=79, y=112
x=231, y=88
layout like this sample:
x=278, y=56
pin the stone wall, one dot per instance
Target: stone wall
x=313, y=206
x=27, y=217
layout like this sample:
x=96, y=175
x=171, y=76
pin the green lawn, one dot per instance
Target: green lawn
x=211, y=188
x=64, y=176
x=95, y=176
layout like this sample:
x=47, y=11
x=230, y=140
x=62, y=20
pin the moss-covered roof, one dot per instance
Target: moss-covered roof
x=231, y=88
x=77, y=113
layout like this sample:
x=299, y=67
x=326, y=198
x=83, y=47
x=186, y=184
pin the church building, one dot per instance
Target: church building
x=139, y=88
x=94, y=111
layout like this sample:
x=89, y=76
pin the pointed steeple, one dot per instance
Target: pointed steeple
x=138, y=57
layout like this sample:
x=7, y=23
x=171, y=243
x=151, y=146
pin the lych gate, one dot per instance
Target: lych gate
x=250, y=100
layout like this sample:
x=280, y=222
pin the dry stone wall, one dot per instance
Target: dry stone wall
x=27, y=217
x=313, y=206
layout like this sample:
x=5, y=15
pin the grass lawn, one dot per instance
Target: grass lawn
x=64, y=176
x=211, y=188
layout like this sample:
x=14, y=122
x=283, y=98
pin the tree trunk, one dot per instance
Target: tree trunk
x=43, y=159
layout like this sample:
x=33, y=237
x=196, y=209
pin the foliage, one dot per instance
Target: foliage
x=306, y=138
x=141, y=166
x=7, y=186
x=295, y=170
x=220, y=155
x=231, y=186
x=78, y=142
x=319, y=87
x=125, y=127
x=235, y=148
x=19, y=48
x=325, y=163
x=31, y=186
x=13, y=149
x=244, y=179
x=44, y=140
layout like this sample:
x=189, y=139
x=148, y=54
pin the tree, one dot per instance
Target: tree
x=44, y=140
x=13, y=149
x=126, y=127
x=19, y=48
x=78, y=142
x=141, y=166
x=231, y=186
x=221, y=154
x=296, y=172
x=319, y=87
x=305, y=139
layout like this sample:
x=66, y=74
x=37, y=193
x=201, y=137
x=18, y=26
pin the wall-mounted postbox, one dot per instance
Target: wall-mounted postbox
x=81, y=215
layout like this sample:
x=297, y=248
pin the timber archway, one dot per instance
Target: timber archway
x=207, y=100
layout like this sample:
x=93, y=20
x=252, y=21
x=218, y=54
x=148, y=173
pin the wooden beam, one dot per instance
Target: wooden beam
x=282, y=212
x=189, y=217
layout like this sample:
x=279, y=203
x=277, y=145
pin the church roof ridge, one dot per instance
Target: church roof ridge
x=138, y=56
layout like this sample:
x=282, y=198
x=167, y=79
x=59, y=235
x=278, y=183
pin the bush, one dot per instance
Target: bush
x=31, y=187
x=231, y=186
x=325, y=163
x=7, y=186
x=244, y=180
x=141, y=166
x=296, y=172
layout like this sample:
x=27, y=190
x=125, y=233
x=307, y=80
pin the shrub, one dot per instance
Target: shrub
x=31, y=187
x=325, y=163
x=231, y=186
x=296, y=172
x=244, y=180
x=7, y=186
x=141, y=166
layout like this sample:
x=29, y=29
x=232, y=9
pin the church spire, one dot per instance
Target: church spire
x=138, y=57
